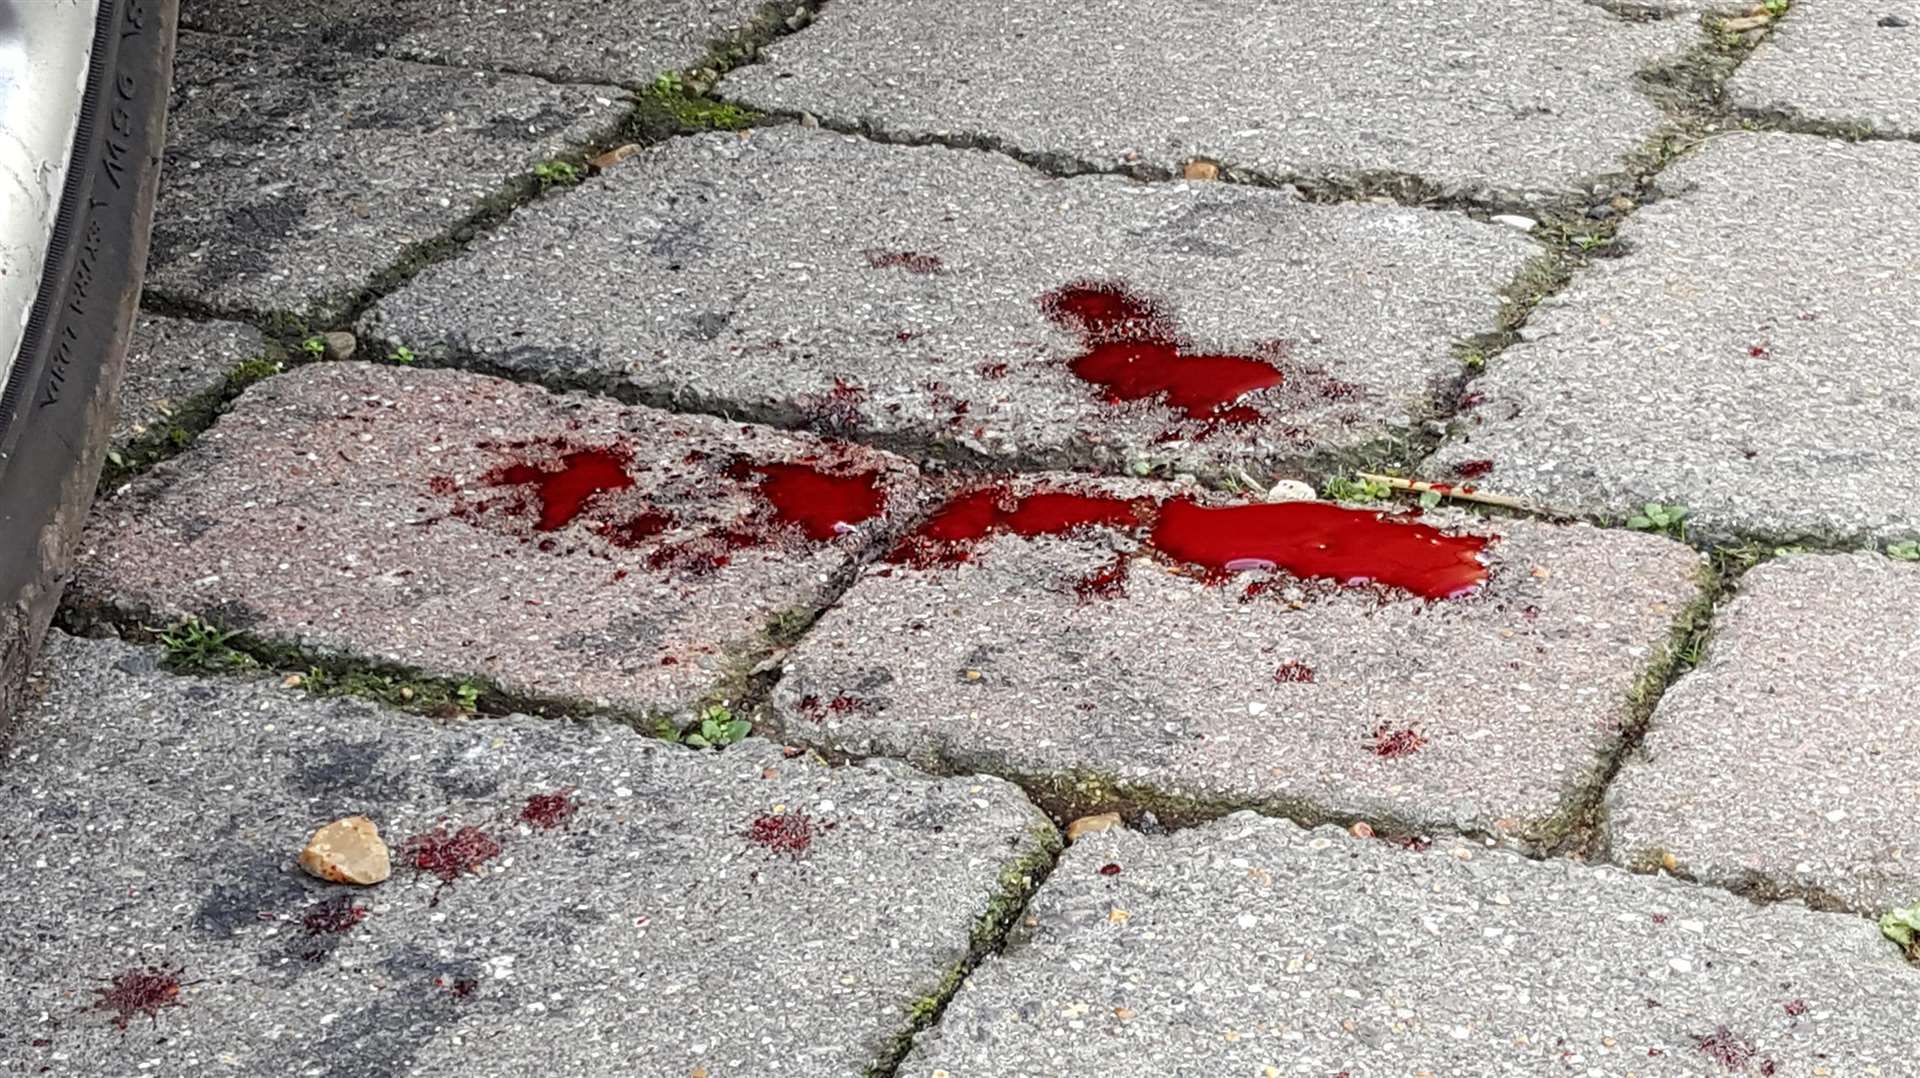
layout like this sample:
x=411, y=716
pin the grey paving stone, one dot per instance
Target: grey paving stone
x=1252, y=947
x=1784, y=764
x=424, y=518
x=175, y=365
x=568, y=40
x=1100, y=670
x=1847, y=62
x=1760, y=368
x=294, y=176
x=800, y=276
x=1488, y=104
x=154, y=823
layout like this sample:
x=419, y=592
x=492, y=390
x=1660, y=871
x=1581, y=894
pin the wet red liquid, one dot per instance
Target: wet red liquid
x=139, y=991
x=548, y=811
x=947, y=537
x=1134, y=353
x=911, y=261
x=1109, y=869
x=449, y=855
x=1313, y=539
x=564, y=490
x=820, y=504
x=637, y=529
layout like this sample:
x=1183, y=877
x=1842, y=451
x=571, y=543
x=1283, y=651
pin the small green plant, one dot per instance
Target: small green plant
x=557, y=174
x=1592, y=242
x=401, y=355
x=1474, y=360
x=668, y=82
x=1902, y=926
x=1776, y=8
x=718, y=728
x=1664, y=519
x=467, y=695
x=424, y=697
x=315, y=345
x=1341, y=489
x=193, y=646
x=1904, y=550
x=1429, y=499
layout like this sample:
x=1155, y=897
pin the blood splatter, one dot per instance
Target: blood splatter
x=548, y=811
x=139, y=991
x=993, y=372
x=1393, y=744
x=564, y=490
x=1109, y=869
x=787, y=832
x=449, y=855
x=330, y=917
x=1133, y=353
x=637, y=529
x=846, y=705
x=1796, y=1007
x=1314, y=539
x=1107, y=582
x=911, y=261
x=820, y=503
x=1723, y=1047
x=1472, y=469
x=947, y=537
x=1293, y=672
x=462, y=988
x=1661, y=918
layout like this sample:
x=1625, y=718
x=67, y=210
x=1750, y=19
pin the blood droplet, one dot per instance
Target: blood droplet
x=1393, y=744
x=449, y=855
x=139, y=991
x=1314, y=539
x=788, y=832
x=548, y=811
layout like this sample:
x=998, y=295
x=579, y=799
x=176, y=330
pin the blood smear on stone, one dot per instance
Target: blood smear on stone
x=1314, y=539
x=948, y=536
x=565, y=490
x=820, y=504
x=1133, y=353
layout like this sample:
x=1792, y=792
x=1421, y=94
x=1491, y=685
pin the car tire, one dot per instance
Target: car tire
x=60, y=395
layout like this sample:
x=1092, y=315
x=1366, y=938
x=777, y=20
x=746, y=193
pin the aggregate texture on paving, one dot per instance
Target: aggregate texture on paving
x=1101, y=667
x=294, y=177
x=1250, y=946
x=956, y=302
x=1760, y=368
x=175, y=366
x=1782, y=765
x=1490, y=104
x=558, y=546
x=621, y=906
x=630, y=43
x=1848, y=64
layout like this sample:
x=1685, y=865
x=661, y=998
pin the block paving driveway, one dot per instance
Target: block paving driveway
x=813, y=504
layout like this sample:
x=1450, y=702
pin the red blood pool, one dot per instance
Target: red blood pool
x=565, y=490
x=447, y=856
x=1109, y=869
x=946, y=536
x=820, y=504
x=789, y=833
x=139, y=991
x=911, y=261
x=1313, y=539
x=1295, y=671
x=1133, y=353
x=548, y=811
x=1472, y=469
x=1393, y=744
x=1059, y=512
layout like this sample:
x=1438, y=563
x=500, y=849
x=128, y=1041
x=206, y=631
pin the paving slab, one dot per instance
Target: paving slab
x=1144, y=657
x=620, y=906
x=1707, y=367
x=1467, y=97
x=566, y=40
x=559, y=546
x=1783, y=764
x=176, y=366
x=1850, y=63
x=1252, y=947
x=293, y=177
x=955, y=301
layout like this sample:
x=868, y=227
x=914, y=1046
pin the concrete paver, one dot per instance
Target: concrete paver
x=1783, y=763
x=1102, y=663
x=293, y=177
x=173, y=364
x=567, y=40
x=1842, y=62
x=925, y=298
x=1467, y=96
x=1758, y=367
x=559, y=546
x=1252, y=947
x=646, y=909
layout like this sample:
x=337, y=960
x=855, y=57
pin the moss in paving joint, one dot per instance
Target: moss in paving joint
x=186, y=423
x=1015, y=887
x=1843, y=130
x=774, y=19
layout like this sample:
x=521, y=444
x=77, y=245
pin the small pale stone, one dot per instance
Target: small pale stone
x=1361, y=830
x=1087, y=825
x=1290, y=490
x=1201, y=170
x=1514, y=220
x=339, y=346
x=347, y=851
x=614, y=156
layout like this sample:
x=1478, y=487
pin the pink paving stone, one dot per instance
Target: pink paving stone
x=561, y=546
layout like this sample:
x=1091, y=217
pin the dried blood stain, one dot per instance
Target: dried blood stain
x=911, y=261
x=1295, y=671
x=789, y=832
x=1393, y=744
x=548, y=811
x=1107, y=582
x=1109, y=869
x=1472, y=469
x=1726, y=1049
x=140, y=991
x=1133, y=353
x=1797, y=1007
x=448, y=855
